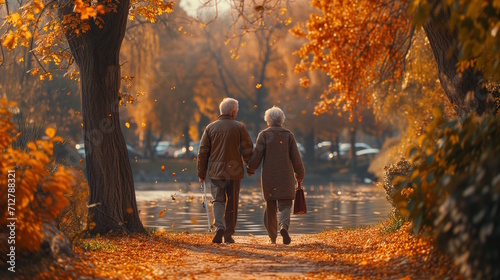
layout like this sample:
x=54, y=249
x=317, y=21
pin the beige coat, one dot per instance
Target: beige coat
x=277, y=148
x=223, y=145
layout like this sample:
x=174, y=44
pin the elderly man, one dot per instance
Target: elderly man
x=224, y=143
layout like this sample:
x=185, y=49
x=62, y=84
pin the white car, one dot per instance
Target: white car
x=193, y=150
x=164, y=149
x=132, y=154
x=344, y=149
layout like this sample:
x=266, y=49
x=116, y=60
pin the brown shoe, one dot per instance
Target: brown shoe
x=218, y=236
x=286, y=236
x=228, y=239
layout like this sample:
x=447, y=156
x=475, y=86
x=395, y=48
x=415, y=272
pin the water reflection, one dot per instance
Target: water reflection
x=329, y=206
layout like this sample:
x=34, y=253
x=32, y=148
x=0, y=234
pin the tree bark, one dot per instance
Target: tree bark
x=112, y=203
x=444, y=44
x=149, y=150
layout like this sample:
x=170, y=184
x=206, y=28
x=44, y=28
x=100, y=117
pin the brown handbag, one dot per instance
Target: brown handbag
x=299, y=206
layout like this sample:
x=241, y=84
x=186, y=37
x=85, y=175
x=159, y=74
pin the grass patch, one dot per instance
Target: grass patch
x=394, y=224
x=151, y=230
x=96, y=245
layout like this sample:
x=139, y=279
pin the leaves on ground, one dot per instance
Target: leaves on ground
x=349, y=254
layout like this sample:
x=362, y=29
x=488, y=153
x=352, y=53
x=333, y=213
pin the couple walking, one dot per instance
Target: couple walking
x=224, y=144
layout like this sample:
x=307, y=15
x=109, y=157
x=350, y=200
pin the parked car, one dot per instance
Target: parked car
x=80, y=148
x=367, y=152
x=193, y=150
x=164, y=149
x=132, y=153
x=366, y=156
x=343, y=149
x=302, y=150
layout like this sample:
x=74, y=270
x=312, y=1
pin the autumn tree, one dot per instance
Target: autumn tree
x=364, y=44
x=94, y=32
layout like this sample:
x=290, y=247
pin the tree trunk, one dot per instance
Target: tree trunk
x=456, y=85
x=187, y=141
x=112, y=203
x=202, y=124
x=354, y=162
x=259, y=110
x=309, y=146
x=149, y=150
x=337, y=148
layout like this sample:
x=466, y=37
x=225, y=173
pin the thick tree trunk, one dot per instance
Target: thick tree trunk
x=112, y=195
x=202, y=124
x=456, y=85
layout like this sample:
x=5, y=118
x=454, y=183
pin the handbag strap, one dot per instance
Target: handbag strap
x=299, y=183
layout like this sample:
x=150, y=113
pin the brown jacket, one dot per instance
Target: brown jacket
x=282, y=163
x=223, y=144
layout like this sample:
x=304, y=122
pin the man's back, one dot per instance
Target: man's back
x=223, y=144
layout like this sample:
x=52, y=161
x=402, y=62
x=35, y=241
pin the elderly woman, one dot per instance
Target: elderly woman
x=282, y=164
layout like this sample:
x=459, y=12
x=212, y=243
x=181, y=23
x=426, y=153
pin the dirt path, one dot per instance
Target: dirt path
x=343, y=254
x=249, y=257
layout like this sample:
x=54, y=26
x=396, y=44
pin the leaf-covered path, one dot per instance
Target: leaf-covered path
x=342, y=254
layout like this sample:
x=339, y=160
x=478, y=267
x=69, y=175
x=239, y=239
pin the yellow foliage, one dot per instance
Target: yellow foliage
x=50, y=131
x=351, y=41
x=10, y=41
x=39, y=185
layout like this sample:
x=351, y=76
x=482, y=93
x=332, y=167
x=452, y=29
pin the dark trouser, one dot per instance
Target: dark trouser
x=270, y=216
x=226, y=195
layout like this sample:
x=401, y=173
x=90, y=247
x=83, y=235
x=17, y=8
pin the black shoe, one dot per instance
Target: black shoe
x=228, y=239
x=218, y=236
x=286, y=237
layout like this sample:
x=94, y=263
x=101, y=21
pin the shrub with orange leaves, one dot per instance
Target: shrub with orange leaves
x=73, y=220
x=40, y=185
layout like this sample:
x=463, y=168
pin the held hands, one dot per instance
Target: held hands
x=300, y=180
x=249, y=173
x=201, y=180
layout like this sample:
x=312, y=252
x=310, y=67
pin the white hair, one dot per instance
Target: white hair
x=274, y=116
x=228, y=106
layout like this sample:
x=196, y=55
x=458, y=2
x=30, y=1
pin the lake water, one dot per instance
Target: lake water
x=330, y=205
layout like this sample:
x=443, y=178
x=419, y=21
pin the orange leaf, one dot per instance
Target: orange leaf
x=162, y=212
x=50, y=131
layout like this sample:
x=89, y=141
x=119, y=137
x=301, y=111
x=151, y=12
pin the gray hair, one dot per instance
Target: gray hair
x=228, y=106
x=274, y=116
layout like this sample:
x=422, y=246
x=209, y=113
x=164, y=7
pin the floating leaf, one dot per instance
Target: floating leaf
x=162, y=212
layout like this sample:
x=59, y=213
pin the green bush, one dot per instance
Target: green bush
x=456, y=192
